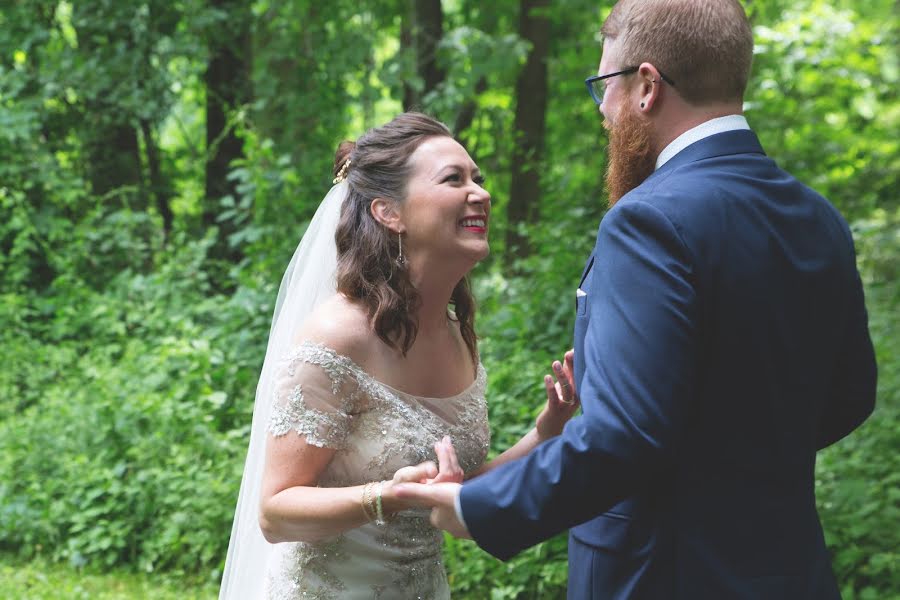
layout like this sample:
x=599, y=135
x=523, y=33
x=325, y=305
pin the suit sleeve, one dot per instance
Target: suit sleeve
x=639, y=353
x=852, y=395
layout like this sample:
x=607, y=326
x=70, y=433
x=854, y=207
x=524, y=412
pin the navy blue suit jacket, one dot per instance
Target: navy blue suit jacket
x=722, y=339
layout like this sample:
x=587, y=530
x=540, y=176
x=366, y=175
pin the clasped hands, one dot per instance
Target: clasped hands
x=438, y=486
x=435, y=487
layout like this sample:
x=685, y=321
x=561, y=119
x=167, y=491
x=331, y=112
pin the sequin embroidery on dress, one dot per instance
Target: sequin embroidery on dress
x=333, y=403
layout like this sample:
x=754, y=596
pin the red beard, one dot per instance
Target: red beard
x=630, y=158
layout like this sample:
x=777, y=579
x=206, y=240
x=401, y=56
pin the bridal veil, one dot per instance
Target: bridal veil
x=308, y=280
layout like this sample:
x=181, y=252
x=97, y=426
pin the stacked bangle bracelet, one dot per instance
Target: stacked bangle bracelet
x=366, y=501
x=372, y=506
x=379, y=513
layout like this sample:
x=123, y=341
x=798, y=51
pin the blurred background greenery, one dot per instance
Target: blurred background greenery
x=159, y=160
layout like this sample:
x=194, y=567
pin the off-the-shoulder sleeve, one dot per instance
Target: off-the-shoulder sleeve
x=317, y=395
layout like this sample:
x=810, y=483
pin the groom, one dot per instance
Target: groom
x=721, y=339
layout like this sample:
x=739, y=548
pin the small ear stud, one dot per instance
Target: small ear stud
x=642, y=105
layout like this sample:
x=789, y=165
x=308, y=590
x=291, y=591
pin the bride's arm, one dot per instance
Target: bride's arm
x=562, y=402
x=294, y=509
x=313, y=420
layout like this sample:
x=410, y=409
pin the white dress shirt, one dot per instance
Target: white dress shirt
x=703, y=130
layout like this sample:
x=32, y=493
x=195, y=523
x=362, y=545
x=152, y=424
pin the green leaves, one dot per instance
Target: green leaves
x=123, y=453
x=824, y=108
x=127, y=382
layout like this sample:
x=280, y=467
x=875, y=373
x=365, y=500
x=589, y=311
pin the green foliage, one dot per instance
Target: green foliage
x=128, y=379
x=858, y=479
x=539, y=573
x=823, y=109
x=123, y=433
x=41, y=580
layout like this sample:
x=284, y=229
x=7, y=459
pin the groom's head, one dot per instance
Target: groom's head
x=683, y=62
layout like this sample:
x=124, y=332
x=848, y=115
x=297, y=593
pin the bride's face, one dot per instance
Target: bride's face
x=446, y=213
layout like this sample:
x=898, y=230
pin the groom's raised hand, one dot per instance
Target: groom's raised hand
x=441, y=498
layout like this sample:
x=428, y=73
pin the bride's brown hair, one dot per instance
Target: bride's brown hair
x=367, y=272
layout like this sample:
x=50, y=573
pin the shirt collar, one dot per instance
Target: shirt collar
x=703, y=130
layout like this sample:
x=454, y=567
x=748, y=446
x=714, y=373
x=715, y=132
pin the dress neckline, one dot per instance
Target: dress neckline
x=479, y=376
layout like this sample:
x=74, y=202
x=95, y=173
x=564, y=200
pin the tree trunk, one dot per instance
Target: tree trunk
x=408, y=43
x=430, y=30
x=114, y=157
x=422, y=30
x=227, y=88
x=113, y=154
x=159, y=183
x=41, y=271
x=467, y=113
x=531, y=106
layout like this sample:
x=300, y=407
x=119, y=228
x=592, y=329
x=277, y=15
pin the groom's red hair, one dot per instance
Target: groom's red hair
x=704, y=46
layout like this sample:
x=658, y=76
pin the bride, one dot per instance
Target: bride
x=367, y=371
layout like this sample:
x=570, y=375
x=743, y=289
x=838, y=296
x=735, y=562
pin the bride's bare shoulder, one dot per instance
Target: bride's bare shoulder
x=341, y=325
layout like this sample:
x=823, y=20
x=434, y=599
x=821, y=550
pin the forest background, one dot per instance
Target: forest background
x=159, y=161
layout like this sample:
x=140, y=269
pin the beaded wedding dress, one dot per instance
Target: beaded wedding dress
x=375, y=430
x=310, y=390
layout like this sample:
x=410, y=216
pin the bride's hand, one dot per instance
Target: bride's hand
x=447, y=470
x=562, y=398
x=448, y=465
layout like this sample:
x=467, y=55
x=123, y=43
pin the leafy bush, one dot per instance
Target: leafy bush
x=858, y=479
x=124, y=413
x=123, y=433
x=128, y=377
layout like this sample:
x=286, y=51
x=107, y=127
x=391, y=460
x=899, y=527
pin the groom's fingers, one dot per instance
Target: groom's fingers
x=422, y=495
x=441, y=498
x=434, y=495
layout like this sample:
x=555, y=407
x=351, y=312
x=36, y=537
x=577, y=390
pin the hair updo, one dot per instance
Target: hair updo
x=366, y=272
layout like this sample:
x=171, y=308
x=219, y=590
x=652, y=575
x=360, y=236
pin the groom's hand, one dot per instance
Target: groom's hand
x=441, y=498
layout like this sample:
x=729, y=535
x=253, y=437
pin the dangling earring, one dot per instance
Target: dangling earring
x=401, y=260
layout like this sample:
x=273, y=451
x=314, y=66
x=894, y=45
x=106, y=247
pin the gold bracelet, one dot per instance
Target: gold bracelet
x=372, y=508
x=367, y=500
x=372, y=503
x=379, y=514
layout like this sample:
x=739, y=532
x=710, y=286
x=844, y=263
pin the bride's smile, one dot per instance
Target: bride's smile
x=446, y=211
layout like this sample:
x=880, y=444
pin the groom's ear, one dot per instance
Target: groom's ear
x=385, y=212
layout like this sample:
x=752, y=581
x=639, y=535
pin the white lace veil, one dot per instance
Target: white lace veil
x=308, y=280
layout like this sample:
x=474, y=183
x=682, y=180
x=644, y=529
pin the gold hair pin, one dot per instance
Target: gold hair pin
x=342, y=173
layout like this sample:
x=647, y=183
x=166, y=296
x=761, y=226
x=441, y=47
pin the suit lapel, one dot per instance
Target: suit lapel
x=587, y=269
x=584, y=274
